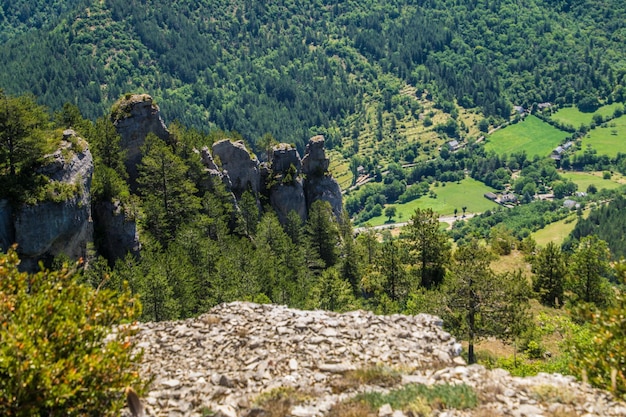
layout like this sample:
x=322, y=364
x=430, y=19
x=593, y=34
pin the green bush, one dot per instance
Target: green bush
x=59, y=354
x=601, y=357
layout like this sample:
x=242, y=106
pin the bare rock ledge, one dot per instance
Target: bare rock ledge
x=224, y=359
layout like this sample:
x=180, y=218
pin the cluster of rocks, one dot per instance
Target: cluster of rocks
x=47, y=229
x=223, y=360
x=288, y=182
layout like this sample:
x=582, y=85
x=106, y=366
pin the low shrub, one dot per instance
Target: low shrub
x=60, y=352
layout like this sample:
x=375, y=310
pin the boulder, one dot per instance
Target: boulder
x=134, y=117
x=241, y=167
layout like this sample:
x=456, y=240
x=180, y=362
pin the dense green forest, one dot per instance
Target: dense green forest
x=296, y=68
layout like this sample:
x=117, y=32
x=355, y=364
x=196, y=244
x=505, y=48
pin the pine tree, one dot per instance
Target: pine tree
x=333, y=293
x=550, y=274
x=322, y=232
x=472, y=298
x=429, y=246
x=22, y=144
x=168, y=195
x=589, y=271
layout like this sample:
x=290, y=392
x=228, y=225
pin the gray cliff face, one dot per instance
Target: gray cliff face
x=135, y=118
x=287, y=192
x=118, y=230
x=49, y=228
x=7, y=231
x=319, y=184
x=324, y=188
x=315, y=162
x=283, y=156
x=215, y=174
x=241, y=167
x=285, y=198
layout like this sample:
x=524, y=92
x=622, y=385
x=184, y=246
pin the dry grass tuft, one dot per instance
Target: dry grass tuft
x=351, y=409
x=552, y=394
x=381, y=376
x=279, y=401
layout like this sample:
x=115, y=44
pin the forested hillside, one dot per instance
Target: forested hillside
x=295, y=68
x=389, y=85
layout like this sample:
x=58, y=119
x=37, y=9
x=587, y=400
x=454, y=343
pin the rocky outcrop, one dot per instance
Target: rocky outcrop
x=134, y=117
x=116, y=229
x=51, y=227
x=286, y=197
x=283, y=157
x=319, y=184
x=7, y=231
x=223, y=360
x=215, y=174
x=241, y=167
x=286, y=191
x=315, y=162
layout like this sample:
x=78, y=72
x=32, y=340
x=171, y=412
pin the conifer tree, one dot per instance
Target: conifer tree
x=168, y=195
x=472, y=294
x=550, y=274
x=590, y=270
x=429, y=247
x=322, y=232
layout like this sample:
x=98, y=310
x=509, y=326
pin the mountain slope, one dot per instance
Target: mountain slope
x=295, y=68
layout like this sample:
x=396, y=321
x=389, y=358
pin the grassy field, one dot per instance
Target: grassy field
x=531, y=135
x=573, y=116
x=468, y=192
x=608, y=140
x=585, y=179
x=555, y=232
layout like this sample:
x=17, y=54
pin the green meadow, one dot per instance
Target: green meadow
x=532, y=135
x=574, y=117
x=555, y=232
x=468, y=193
x=609, y=138
x=585, y=179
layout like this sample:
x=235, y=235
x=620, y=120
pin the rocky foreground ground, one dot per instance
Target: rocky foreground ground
x=223, y=361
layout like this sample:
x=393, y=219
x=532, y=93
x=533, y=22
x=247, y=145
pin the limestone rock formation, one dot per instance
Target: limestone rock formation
x=283, y=157
x=241, y=167
x=7, y=231
x=319, y=184
x=50, y=228
x=286, y=185
x=134, y=117
x=223, y=360
x=315, y=162
x=117, y=230
x=212, y=169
